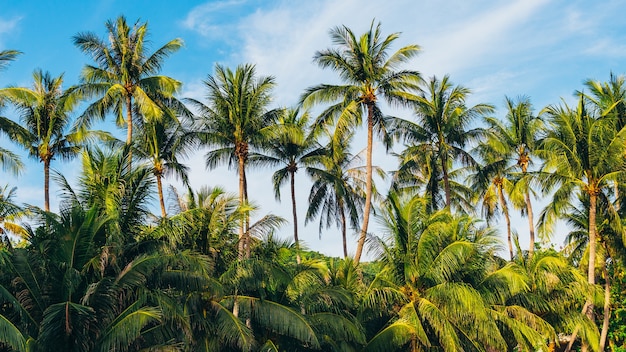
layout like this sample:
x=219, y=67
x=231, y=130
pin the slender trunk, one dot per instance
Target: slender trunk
x=572, y=338
x=591, y=272
x=242, y=183
x=129, y=128
x=529, y=211
x=342, y=214
x=247, y=238
x=505, y=211
x=46, y=184
x=607, y=309
x=295, y=216
x=446, y=181
x=368, y=183
x=161, y=200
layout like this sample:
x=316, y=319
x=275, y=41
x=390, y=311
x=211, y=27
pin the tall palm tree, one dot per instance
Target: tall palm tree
x=125, y=76
x=233, y=120
x=583, y=153
x=369, y=72
x=45, y=115
x=291, y=145
x=515, y=139
x=442, y=128
x=162, y=143
x=338, y=188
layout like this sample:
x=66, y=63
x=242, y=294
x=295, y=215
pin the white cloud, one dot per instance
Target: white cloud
x=206, y=18
x=7, y=27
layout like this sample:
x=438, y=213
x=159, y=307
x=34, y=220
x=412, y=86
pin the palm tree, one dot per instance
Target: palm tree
x=45, y=114
x=291, y=145
x=337, y=190
x=162, y=143
x=583, y=153
x=491, y=184
x=455, y=289
x=369, y=72
x=233, y=122
x=441, y=130
x=515, y=139
x=125, y=78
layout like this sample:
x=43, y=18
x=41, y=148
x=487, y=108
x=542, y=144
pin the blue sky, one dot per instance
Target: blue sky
x=544, y=49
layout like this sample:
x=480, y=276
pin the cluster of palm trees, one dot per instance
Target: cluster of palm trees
x=105, y=274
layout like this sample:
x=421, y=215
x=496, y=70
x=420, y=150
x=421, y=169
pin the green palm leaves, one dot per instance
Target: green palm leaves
x=125, y=76
x=368, y=72
x=45, y=115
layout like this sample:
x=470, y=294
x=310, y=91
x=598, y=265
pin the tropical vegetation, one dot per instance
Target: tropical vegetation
x=98, y=270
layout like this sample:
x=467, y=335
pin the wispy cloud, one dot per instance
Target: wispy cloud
x=7, y=26
x=210, y=19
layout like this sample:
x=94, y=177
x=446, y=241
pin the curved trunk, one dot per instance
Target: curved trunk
x=505, y=211
x=295, y=216
x=161, y=200
x=607, y=310
x=368, y=183
x=46, y=184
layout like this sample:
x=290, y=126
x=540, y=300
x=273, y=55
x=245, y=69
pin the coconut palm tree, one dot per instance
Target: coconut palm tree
x=369, y=72
x=514, y=140
x=455, y=290
x=162, y=143
x=291, y=145
x=441, y=131
x=583, y=153
x=337, y=193
x=125, y=78
x=232, y=122
x=44, y=112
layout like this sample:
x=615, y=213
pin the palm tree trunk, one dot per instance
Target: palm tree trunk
x=242, y=184
x=505, y=211
x=446, y=181
x=342, y=214
x=591, y=276
x=531, y=225
x=161, y=200
x=295, y=216
x=46, y=184
x=368, y=183
x=607, y=309
x=129, y=128
x=529, y=210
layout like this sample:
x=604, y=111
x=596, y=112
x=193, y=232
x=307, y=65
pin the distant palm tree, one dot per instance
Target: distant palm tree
x=162, y=143
x=513, y=141
x=369, y=72
x=125, y=78
x=441, y=131
x=291, y=145
x=44, y=112
x=233, y=120
x=337, y=193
